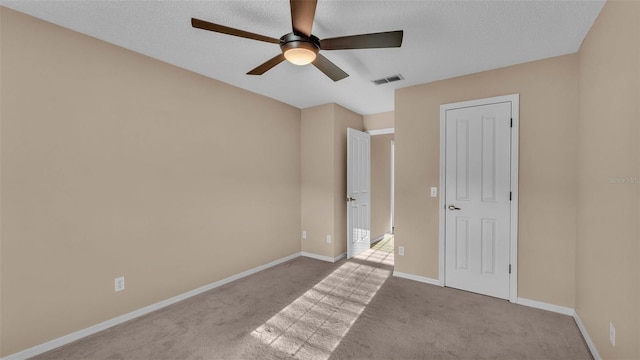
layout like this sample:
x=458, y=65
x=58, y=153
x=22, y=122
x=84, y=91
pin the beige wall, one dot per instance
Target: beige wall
x=548, y=117
x=380, y=184
x=109, y=157
x=317, y=178
x=579, y=164
x=116, y=164
x=608, y=197
x=324, y=185
x=378, y=121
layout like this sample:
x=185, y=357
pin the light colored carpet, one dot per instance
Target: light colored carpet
x=386, y=244
x=309, y=309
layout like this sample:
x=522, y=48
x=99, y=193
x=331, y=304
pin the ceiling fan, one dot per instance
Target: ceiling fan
x=300, y=47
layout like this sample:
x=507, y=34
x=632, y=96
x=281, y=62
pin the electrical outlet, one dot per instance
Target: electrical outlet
x=328, y=239
x=401, y=250
x=434, y=192
x=119, y=283
x=304, y=234
x=612, y=334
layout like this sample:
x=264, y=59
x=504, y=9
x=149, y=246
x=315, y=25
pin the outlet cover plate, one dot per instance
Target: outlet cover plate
x=612, y=334
x=119, y=284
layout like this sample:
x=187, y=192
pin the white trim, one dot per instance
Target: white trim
x=317, y=257
x=421, y=279
x=343, y=255
x=441, y=199
x=546, y=306
x=63, y=340
x=381, y=131
x=393, y=186
x=515, y=115
x=587, y=338
x=529, y=303
x=322, y=257
x=564, y=311
x=515, y=166
x=379, y=238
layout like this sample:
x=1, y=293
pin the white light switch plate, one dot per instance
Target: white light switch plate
x=434, y=191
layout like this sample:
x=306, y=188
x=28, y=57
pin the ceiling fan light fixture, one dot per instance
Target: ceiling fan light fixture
x=300, y=52
x=300, y=47
x=300, y=56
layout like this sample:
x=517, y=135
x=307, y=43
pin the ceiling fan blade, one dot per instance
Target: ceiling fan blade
x=205, y=25
x=328, y=68
x=302, y=14
x=364, y=41
x=261, y=69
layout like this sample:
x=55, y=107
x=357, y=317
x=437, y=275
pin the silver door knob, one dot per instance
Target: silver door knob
x=351, y=199
x=453, y=207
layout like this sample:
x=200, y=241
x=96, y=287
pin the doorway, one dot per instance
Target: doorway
x=379, y=189
x=382, y=190
x=478, y=205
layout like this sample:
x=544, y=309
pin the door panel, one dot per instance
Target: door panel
x=488, y=159
x=358, y=192
x=477, y=190
x=462, y=243
x=488, y=240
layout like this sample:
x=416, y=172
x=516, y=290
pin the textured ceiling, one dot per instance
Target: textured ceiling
x=442, y=39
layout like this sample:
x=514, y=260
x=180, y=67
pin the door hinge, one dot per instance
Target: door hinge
x=509, y=195
x=509, y=268
x=511, y=123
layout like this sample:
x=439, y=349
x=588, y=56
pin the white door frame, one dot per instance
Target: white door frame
x=513, y=256
x=393, y=171
x=393, y=181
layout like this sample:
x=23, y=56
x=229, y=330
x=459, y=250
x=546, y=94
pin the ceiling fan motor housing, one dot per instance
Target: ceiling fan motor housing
x=293, y=41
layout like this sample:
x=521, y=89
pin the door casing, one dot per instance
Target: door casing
x=513, y=234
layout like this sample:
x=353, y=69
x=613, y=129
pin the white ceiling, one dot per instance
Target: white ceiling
x=442, y=39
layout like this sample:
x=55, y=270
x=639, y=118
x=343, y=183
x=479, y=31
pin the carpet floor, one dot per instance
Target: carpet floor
x=355, y=309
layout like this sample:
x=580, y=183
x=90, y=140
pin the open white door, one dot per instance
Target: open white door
x=358, y=192
x=477, y=198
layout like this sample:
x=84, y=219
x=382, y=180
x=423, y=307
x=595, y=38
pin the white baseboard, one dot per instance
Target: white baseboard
x=530, y=303
x=422, y=279
x=373, y=241
x=56, y=343
x=526, y=302
x=587, y=338
x=546, y=306
x=381, y=131
x=322, y=257
x=565, y=311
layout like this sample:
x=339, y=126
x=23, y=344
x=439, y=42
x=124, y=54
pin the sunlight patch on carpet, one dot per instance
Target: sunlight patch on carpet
x=386, y=244
x=313, y=325
x=381, y=252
